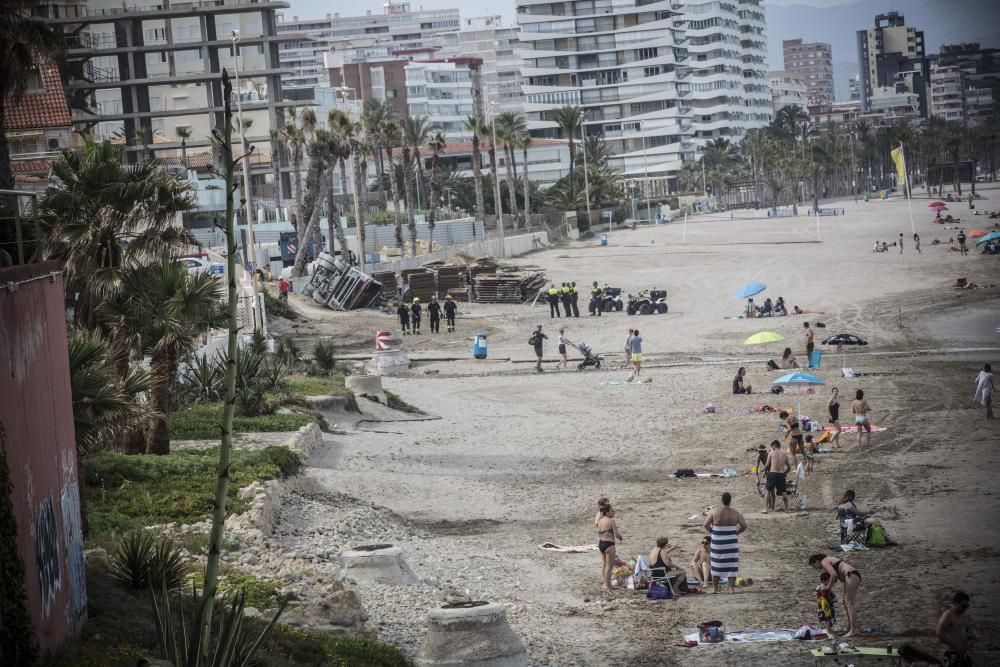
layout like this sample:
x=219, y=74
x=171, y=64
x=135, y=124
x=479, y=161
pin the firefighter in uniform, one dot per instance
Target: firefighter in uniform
x=449, y=312
x=415, y=311
x=434, y=311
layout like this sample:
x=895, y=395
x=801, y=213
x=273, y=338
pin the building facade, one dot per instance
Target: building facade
x=788, y=90
x=38, y=127
x=376, y=77
x=447, y=91
x=854, y=88
x=396, y=28
x=947, y=92
x=813, y=63
x=890, y=53
x=497, y=46
x=980, y=80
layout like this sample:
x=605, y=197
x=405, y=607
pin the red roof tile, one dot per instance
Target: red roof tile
x=30, y=166
x=40, y=108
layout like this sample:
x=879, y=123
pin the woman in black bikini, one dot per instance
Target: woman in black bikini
x=847, y=575
x=794, y=436
x=833, y=406
x=607, y=533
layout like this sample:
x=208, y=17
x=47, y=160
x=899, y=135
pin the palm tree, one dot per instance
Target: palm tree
x=505, y=136
x=144, y=136
x=184, y=133
x=101, y=217
x=596, y=150
x=475, y=126
x=524, y=141
x=569, y=119
x=346, y=134
x=415, y=132
x=294, y=139
x=514, y=125
x=490, y=129
x=163, y=309
x=436, y=144
x=25, y=41
x=390, y=139
x=376, y=113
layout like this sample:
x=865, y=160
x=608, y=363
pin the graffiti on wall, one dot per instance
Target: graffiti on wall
x=73, y=541
x=47, y=554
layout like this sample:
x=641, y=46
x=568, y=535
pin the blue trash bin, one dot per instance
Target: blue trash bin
x=479, y=345
x=604, y=239
x=815, y=358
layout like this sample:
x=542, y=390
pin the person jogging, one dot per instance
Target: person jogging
x=449, y=312
x=434, y=312
x=415, y=312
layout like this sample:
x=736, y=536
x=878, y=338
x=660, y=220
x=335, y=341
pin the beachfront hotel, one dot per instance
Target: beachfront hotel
x=656, y=79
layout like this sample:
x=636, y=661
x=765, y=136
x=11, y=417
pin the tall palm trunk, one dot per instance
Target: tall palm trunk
x=297, y=168
x=422, y=184
x=299, y=267
x=497, y=204
x=511, y=188
x=358, y=186
x=572, y=156
x=510, y=156
x=408, y=187
x=477, y=170
x=276, y=169
x=526, y=186
x=435, y=197
x=6, y=175
x=394, y=189
x=380, y=172
x=343, y=175
x=163, y=368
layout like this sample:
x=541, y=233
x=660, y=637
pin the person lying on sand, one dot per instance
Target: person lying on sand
x=798, y=311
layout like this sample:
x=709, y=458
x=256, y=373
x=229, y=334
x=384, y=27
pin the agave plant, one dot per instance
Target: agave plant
x=324, y=361
x=142, y=559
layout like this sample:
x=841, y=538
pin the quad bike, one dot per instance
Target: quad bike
x=648, y=302
x=610, y=299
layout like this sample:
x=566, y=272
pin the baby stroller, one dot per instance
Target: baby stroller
x=589, y=358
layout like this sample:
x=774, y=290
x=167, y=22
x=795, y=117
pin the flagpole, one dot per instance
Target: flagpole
x=906, y=186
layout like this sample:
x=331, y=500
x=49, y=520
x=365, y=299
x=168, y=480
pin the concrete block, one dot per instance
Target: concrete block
x=472, y=634
x=378, y=563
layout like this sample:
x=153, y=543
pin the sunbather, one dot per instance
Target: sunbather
x=788, y=359
x=700, y=563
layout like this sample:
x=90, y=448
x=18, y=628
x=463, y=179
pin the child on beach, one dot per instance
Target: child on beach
x=825, y=601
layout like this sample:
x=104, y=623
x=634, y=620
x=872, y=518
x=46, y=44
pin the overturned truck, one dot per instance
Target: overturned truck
x=341, y=287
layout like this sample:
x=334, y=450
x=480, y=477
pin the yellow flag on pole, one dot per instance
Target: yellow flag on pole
x=900, y=161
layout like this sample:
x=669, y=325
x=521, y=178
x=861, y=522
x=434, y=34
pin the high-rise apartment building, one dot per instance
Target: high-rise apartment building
x=447, y=91
x=653, y=79
x=497, y=46
x=813, y=63
x=979, y=71
x=854, y=88
x=947, y=92
x=891, y=53
x=787, y=90
x=397, y=28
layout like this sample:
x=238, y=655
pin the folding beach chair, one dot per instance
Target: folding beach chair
x=662, y=575
x=852, y=528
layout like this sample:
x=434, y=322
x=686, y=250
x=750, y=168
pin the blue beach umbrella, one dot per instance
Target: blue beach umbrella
x=992, y=236
x=750, y=289
x=798, y=379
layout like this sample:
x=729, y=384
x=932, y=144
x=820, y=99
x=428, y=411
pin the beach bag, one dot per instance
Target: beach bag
x=876, y=536
x=711, y=632
x=684, y=472
x=532, y=340
x=777, y=390
x=659, y=592
x=772, y=365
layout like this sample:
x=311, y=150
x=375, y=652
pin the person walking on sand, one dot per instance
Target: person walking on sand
x=833, y=407
x=954, y=630
x=984, y=390
x=808, y=334
x=724, y=525
x=415, y=313
x=901, y=243
x=847, y=575
x=793, y=436
x=563, y=342
x=628, y=349
x=777, y=467
x=916, y=242
x=607, y=534
x=536, y=342
x=635, y=353
x=449, y=312
x=862, y=420
x=434, y=313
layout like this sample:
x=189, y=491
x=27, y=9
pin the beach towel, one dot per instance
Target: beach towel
x=854, y=429
x=748, y=636
x=725, y=551
x=572, y=549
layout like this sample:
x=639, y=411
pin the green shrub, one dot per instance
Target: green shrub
x=324, y=361
x=203, y=422
x=277, y=307
x=346, y=651
x=126, y=493
x=142, y=560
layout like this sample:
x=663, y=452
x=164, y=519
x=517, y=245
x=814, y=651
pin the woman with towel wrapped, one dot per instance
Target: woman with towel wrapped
x=724, y=525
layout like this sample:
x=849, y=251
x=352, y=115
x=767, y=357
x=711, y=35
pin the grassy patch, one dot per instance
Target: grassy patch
x=124, y=493
x=260, y=593
x=120, y=630
x=314, y=385
x=201, y=422
x=396, y=403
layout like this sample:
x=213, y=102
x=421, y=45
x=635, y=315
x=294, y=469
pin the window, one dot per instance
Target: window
x=651, y=71
x=33, y=79
x=645, y=54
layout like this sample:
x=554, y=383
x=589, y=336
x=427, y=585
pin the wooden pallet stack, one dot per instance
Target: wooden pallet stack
x=507, y=287
x=390, y=287
x=451, y=279
x=423, y=283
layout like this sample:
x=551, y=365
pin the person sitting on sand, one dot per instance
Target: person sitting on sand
x=767, y=310
x=788, y=359
x=911, y=655
x=848, y=575
x=847, y=506
x=885, y=247
x=659, y=557
x=738, y=386
x=779, y=307
x=699, y=565
x=607, y=533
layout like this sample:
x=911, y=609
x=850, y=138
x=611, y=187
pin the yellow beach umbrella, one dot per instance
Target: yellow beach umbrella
x=763, y=337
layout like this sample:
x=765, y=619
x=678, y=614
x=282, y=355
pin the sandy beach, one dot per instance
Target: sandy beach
x=509, y=459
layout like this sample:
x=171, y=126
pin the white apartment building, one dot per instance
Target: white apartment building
x=497, y=46
x=656, y=79
x=396, y=28
x=447, y=91
x=787, y=90
x=947, y=92
x=729, y=88
x=625, y=65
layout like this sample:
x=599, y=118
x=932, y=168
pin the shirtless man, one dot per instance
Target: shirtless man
x=955, y=632
x=808, y=335
x=777, y=467
x=724, y=525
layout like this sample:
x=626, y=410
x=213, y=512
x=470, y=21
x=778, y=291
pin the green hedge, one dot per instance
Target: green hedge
x=201, y=422
x=125, y=493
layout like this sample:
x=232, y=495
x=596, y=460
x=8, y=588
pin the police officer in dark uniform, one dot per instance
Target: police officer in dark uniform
x=596, y=300
x=415, y=311
x=404, y=317
x=574, y=299
x=567, y=299
x=449, y=312
x=553, y=296
x=434, y=311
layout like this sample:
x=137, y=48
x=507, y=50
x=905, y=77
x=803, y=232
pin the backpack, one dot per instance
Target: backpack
x=876, y=536
x=777, y=390
x=533, y=340
x=773, y=366
x=659, y=592
x=684, y=472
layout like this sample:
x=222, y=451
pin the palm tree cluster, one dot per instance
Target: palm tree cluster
x=796, y=160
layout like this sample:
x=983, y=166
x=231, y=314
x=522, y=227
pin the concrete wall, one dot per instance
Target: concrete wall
x=36, y=416
x=513, y=245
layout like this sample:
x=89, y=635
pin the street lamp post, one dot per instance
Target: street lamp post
x=496, y=180
x=247, y=198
